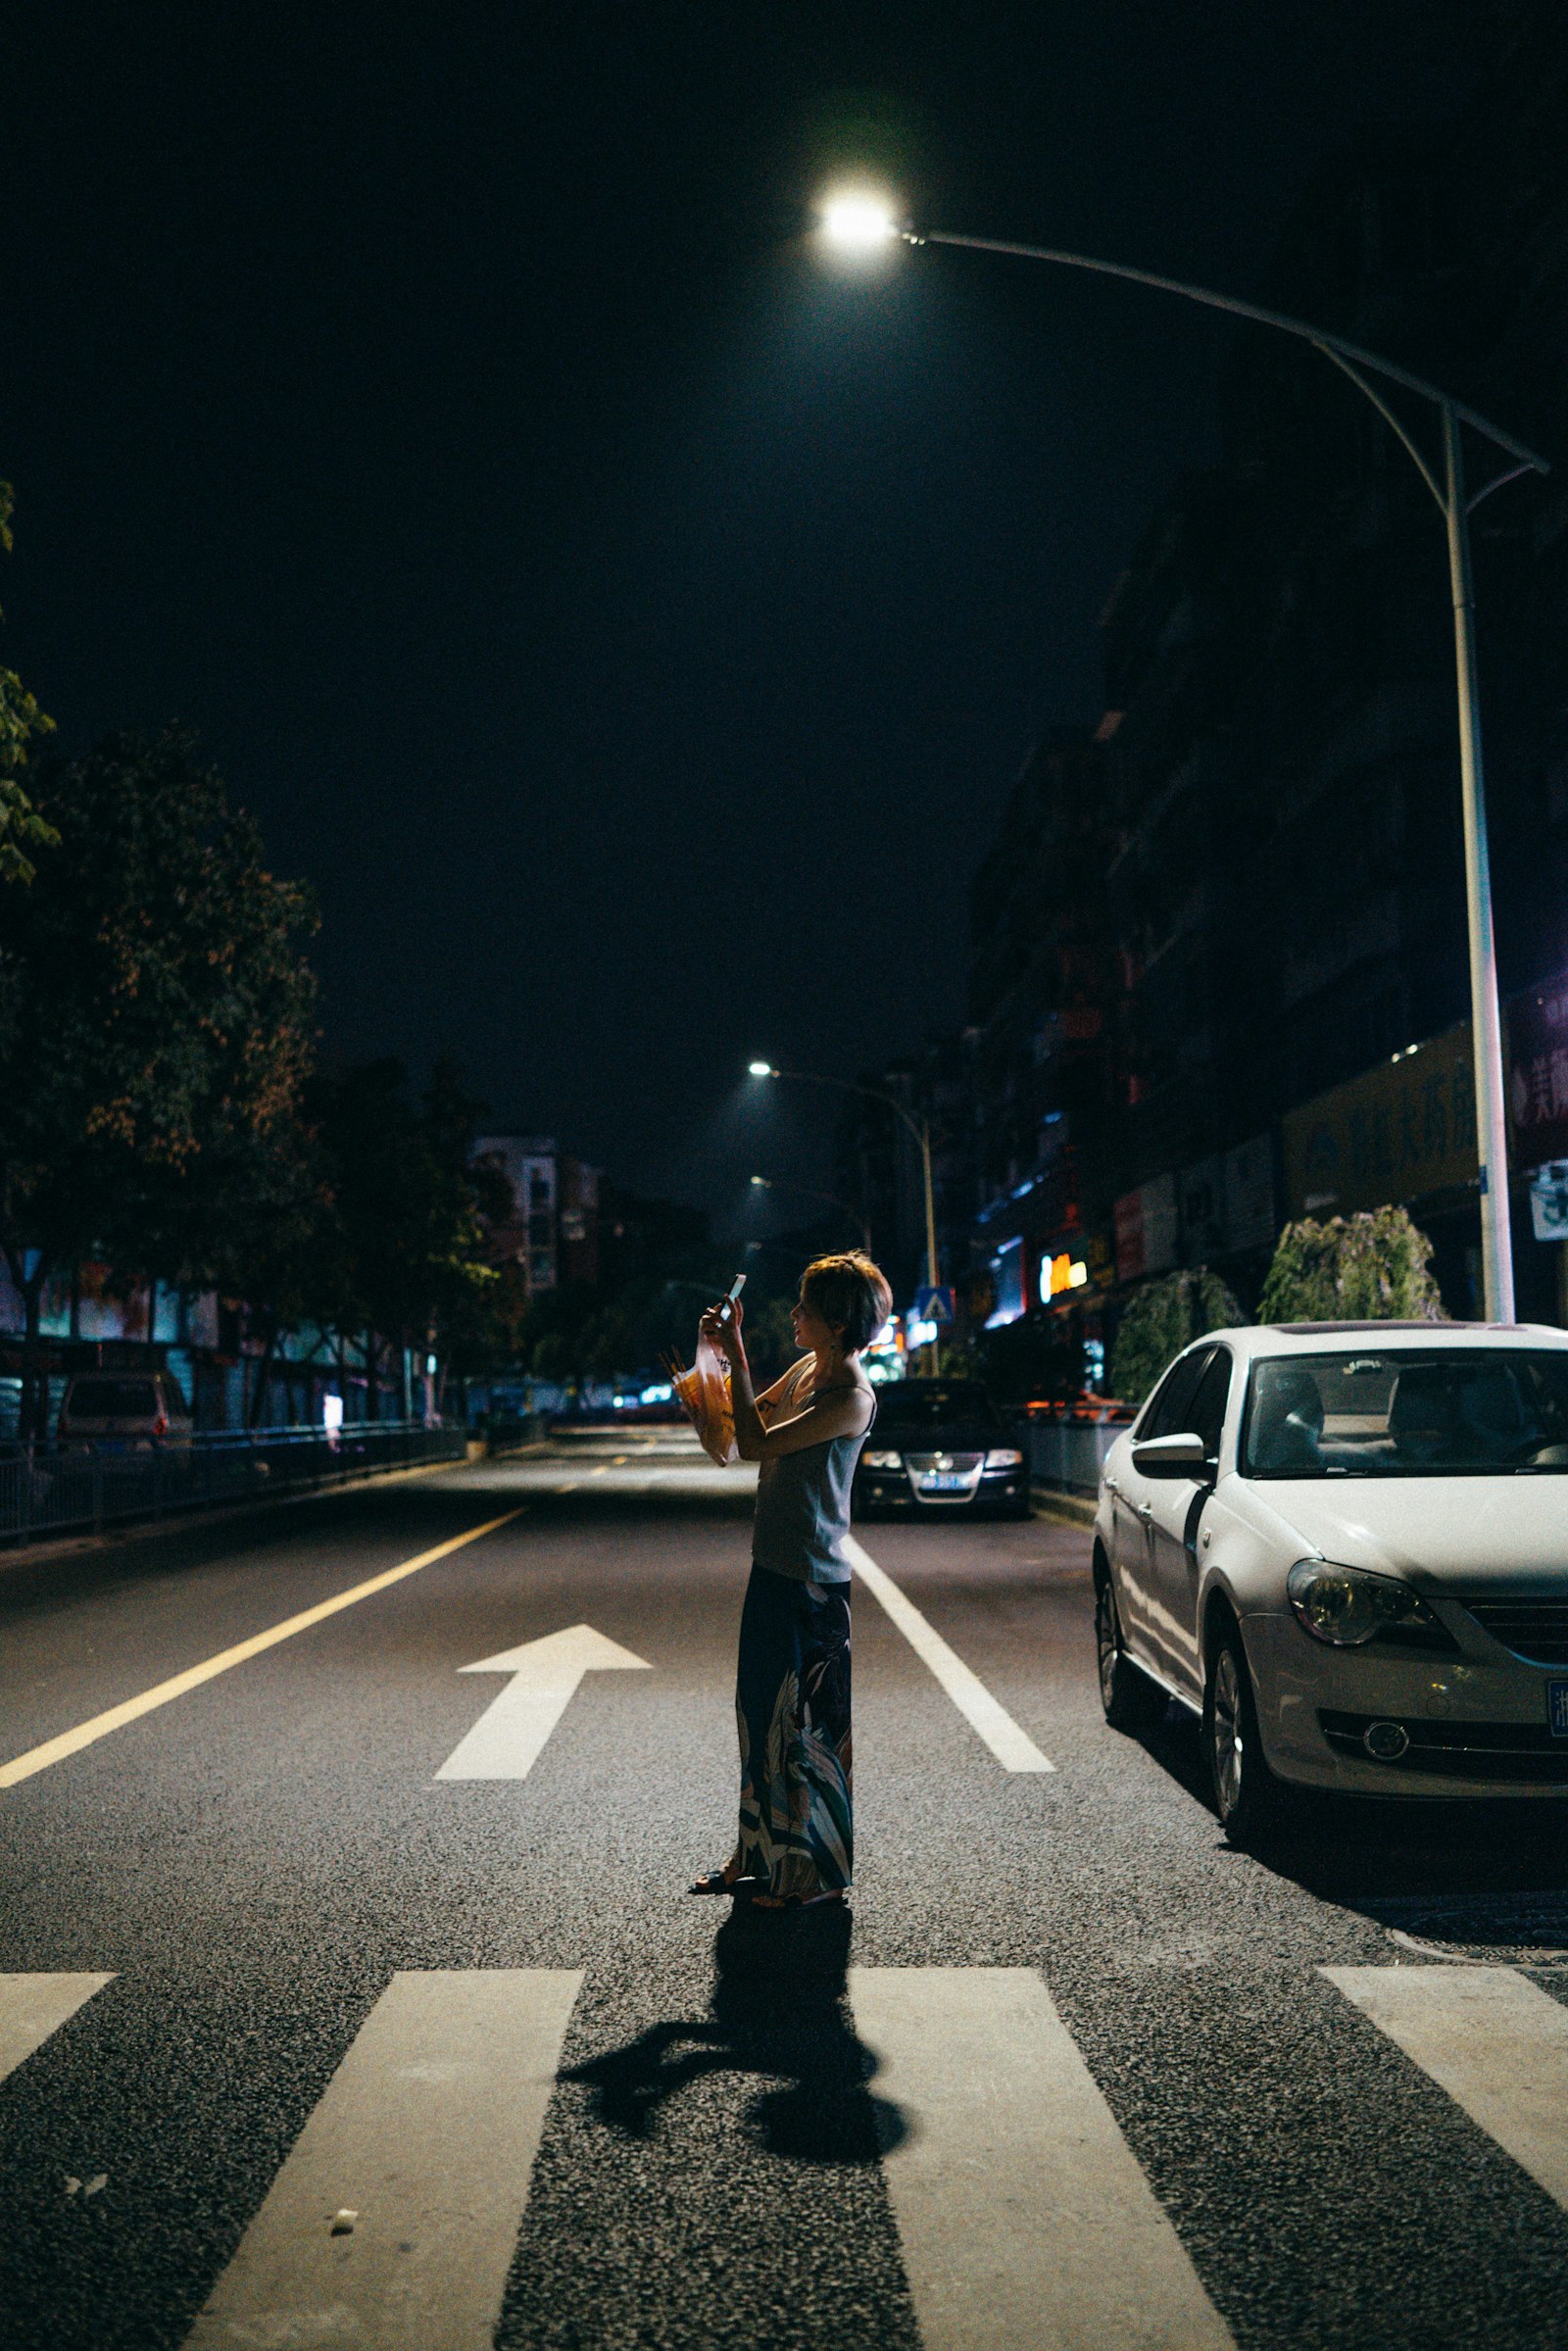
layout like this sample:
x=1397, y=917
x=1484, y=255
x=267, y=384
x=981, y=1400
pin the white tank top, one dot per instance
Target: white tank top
x=803, y=1507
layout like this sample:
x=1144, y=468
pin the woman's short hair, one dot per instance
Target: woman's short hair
x=849, y=1293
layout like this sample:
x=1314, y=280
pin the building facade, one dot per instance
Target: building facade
x=553, y=1234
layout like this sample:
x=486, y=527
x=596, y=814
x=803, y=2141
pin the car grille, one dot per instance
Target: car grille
x=1535, y=1630
x=964, y=1463
x=1526, y=1752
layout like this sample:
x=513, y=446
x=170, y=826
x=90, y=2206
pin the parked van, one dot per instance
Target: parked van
x=123, y=1408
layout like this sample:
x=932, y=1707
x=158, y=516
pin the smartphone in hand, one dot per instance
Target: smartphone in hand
x=726, y=1311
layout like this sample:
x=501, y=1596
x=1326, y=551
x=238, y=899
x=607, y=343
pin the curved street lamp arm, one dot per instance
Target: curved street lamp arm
x=807, y=1192
x=1333, y=346
x=921, y=1132
x=1393, y=422
x=873, y=1093
x=1497, y=482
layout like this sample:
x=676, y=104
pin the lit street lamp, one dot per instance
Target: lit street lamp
x=919, y=1128
x=859, y=222
x=805, y=1192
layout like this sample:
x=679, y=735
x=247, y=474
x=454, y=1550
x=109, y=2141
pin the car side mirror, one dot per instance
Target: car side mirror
x=1180, y=1457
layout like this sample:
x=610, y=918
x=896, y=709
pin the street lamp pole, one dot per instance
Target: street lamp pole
x=805, y=1192
x=1485, y=1025
x=920, y=1128
x=1496, y=1251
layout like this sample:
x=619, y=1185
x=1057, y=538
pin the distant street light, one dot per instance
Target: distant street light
x=1485, y=1024
x=805, y=1192
x=920, y=1128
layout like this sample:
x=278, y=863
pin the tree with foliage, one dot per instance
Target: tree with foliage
x=1371, y=1267
x=22, y=828
x=1166, y=1316
x=155, y=1030
x=402, y=1257
x=656, y=1269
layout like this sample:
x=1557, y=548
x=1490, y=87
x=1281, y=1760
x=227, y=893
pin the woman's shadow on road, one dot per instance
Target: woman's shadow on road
x=779, y=2012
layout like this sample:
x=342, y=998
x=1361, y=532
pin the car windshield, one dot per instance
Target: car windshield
x=931, y=1404
x=1407, y=1412
x=113, y=1400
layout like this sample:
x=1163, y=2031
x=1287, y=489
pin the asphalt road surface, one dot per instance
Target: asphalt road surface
x=351, y=1997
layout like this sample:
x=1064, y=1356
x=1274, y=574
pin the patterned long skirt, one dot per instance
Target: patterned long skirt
x=792, y=1705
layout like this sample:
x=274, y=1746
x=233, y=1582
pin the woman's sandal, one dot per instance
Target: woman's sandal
x=727, y=1880
x=797, y=1902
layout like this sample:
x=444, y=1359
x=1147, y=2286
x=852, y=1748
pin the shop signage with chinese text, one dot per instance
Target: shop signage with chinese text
x=1392, y=1135
x=1227, y=1202
x=1145, y=1229
x=1537, y=1080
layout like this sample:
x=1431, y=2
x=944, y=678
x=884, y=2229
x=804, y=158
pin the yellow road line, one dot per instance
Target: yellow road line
x=85, y=1735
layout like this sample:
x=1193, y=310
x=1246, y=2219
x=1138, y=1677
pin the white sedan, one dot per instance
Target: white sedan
x=1346, y=1545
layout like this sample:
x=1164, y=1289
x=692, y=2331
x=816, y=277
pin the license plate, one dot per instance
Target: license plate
x=1557, y=1708
x=954, y=1480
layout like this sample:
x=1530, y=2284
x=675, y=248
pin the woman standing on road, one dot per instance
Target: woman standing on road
x=792, y=1683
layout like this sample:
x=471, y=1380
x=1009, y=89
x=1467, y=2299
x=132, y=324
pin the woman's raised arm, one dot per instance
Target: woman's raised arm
x=845, y=1412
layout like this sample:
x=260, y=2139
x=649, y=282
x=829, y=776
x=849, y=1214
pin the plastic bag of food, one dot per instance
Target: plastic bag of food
x=704, y=1393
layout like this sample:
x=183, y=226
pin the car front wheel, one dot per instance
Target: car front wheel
x=1247, y=1795
x=1131, y=1703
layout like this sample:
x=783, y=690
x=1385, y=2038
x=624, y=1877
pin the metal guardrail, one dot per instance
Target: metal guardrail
x=514, y=1436
x=49, y=1490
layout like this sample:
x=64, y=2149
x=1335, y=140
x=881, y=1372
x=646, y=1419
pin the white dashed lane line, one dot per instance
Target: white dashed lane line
x=1011, y=1746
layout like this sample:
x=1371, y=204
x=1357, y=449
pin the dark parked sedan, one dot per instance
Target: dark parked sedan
x=941, y=1445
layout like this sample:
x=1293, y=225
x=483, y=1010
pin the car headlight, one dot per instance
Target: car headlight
x=1003, y=1456
x=1346, y=1606
x=883, y=1461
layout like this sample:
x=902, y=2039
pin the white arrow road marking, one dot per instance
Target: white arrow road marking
x=393, y=2222
x=1013, y=1748
x=509, y=1738
x=1493, y=2040
x=31, y=2007
x=1022, y=2212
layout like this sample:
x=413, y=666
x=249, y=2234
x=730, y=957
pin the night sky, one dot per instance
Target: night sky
x=630, y=625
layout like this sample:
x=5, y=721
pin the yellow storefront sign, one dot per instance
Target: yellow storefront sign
x=1392, y=1135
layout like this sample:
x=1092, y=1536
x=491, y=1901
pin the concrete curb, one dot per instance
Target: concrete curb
x=1072, y=1509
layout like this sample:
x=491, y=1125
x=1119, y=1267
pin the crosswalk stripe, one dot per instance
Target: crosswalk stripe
x=1025, y=2220
x=419, y=2152
x=1494, y=2040
x=31, y=2007
x=1012, y=1748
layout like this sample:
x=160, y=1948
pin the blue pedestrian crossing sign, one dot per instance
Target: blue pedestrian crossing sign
x=934, y=1305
